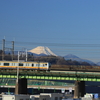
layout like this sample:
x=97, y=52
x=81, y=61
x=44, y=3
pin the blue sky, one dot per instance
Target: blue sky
x=52, y=21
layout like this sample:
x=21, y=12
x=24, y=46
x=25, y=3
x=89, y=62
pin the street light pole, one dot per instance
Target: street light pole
x=18, y=68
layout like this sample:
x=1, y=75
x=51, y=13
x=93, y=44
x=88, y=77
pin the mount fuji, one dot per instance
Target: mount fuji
x=40, y=50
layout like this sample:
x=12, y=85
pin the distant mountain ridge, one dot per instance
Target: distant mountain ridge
x=98, y=63
x=75, y=58
x=45, y=51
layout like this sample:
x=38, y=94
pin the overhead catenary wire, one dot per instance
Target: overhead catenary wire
x=81, y=49
x=56, y=44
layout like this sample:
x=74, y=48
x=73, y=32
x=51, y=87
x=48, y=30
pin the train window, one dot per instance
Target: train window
x=13, y=64
x=20, y=64
x=36, y=64
x=32, y=64
x=27, y=64
x=6, y=64
x=44, y=65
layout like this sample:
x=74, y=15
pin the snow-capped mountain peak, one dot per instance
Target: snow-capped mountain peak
x=42, y=50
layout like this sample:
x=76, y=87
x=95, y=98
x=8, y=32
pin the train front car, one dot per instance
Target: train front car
x=44, y=66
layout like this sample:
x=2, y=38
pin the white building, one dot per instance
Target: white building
x=47, y=96
x=15, y=97
x=52, y=96
x=42, y=96
x=34, y=97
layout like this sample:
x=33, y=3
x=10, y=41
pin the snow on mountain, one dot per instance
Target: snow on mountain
x=73, y=57
x=40, y=50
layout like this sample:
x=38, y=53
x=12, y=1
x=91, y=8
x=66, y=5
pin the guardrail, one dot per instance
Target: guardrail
x=81, y=76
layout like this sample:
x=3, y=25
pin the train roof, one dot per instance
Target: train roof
x=22, y=61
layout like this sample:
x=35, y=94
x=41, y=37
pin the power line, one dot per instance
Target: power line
x=59, y=44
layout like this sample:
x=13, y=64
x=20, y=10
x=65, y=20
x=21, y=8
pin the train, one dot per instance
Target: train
x=24, y=65
x=45, y=66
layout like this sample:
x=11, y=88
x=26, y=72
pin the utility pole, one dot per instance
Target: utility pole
x=3, y=48
x=26, y=55
x=12, y=50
